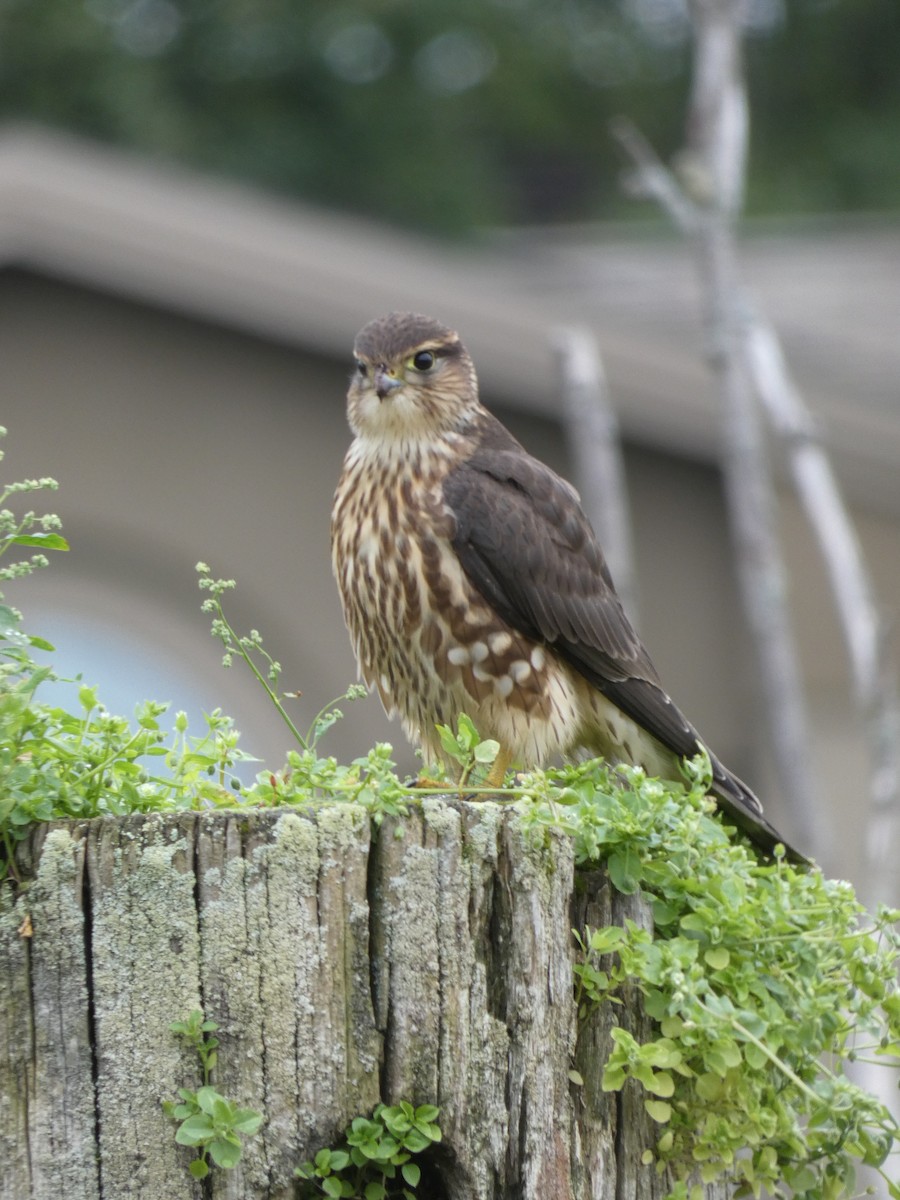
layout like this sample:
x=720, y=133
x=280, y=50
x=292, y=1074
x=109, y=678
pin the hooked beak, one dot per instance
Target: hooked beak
x=385, y=382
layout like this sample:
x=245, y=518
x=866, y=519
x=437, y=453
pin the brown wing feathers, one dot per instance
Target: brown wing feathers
x=526, y=545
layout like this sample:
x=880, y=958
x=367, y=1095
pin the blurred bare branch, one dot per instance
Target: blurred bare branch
x=592, y=431
x=746, y=354
x=817, y=487
x=874, y=677
x=713, y=169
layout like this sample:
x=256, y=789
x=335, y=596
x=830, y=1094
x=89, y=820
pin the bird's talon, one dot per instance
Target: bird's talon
x=426, y=781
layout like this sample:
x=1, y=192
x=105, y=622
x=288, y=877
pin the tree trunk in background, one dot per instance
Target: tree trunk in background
x=595, y=444
x=430, y=962
x=746, y=353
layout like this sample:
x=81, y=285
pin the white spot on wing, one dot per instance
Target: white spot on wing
x=458, y=656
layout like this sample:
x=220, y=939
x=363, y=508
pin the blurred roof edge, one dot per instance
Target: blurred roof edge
x=119, y=221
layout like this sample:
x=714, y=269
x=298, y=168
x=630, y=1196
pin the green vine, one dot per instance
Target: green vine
x=208, y=1122
x=375, y=1160
x=764, y=981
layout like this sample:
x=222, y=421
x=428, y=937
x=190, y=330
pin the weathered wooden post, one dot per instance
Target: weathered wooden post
x=428, y=960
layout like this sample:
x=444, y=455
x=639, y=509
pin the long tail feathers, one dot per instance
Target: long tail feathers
x=742, y=806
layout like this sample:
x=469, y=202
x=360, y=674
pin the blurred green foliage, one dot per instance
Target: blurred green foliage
x=450, y=117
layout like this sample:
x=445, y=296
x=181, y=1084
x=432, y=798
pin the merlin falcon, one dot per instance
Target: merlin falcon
x=471, y=580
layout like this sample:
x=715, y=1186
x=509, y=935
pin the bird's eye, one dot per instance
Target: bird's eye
x=361, y=367
x=423, y=361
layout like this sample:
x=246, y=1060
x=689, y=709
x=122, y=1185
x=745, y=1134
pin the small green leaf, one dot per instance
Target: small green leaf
x=607, y=939
x=661, y=1053
x=709, y=1086
x=467, y=733
x=411, y=1173
x=661, y=1084
x=247, y=1121
x=332, y=1186
x=717, y=957
x=802, y=1180
x=671, y=1027
x=208, y=1099
x=224, y=1111
x=694, y=923
x=576, y=1077
x=194, y=1131
x=663, y=912
x=659, y=1110
x=486, y=751
x=613, y=1079
x=449, y=744
x=225, y=1151
x=755, y=1055
x=375, y=1191
x=416, y=1141
x=199, y=1168
x=45, y=541
x=624, y=868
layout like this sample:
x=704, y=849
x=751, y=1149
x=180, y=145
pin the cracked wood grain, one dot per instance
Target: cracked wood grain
x=427, y=959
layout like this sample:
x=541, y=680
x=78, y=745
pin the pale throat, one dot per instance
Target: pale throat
x=400, y=429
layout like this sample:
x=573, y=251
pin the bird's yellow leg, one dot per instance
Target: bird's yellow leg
x=494, y=778
x=497, y=773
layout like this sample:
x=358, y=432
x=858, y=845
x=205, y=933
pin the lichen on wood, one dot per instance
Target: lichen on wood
x=427, y=959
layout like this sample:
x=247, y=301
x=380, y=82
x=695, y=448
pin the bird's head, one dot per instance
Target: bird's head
x=413, y=379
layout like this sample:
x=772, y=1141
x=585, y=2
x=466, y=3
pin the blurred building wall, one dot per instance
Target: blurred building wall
x=176, y=441
x=178, y=434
